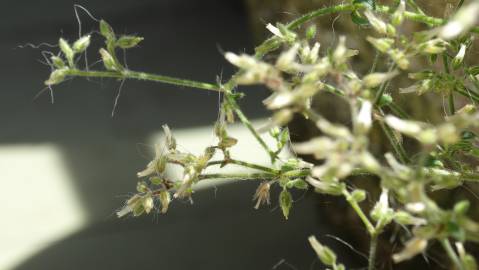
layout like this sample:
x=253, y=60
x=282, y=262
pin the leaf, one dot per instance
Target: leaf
x=285, y=201
x=356, y=17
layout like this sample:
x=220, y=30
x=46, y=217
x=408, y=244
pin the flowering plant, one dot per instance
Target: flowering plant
x=300, y=72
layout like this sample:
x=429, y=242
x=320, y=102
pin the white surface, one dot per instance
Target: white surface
x=37, y=202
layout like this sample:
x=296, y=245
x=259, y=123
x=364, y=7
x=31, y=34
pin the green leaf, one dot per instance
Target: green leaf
x=356, y=17
x=285, y=201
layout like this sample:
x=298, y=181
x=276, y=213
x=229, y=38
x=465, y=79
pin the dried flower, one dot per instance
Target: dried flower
x=262, y=194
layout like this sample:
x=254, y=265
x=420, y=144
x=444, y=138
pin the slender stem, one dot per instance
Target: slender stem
x=397, y=147
x=450, y=99
x=129, y=74
x=236, y=176
x=354, y=204
x=249, y=125
x=244, y=164
x=373, y=244
x=468, y=93
x=451, y=253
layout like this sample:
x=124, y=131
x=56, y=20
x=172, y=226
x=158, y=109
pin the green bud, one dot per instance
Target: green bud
x=469, y=262
x=107, y=31
x=108, y=61
x=57, y=62
x=81, y=44
x=67, y=51
x=404, y=218
x=56, y=77
x=285, y=201
x=381, y=44
x=142, y=187
x=398, y=15
x=311, y=32
x=459, y=58
x=297, y=183
x=325, y=254
x=385, y=99
x=461, y=207
x=127, y=42
x=358, y=195
x=165, y=199
x=274, y=132
x=155, y=180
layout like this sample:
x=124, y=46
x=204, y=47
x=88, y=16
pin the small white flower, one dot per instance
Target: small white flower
x=461, y=22
x=411, y=249
x=459, y=58
x=375, y=79
x=273, y=29
x=365, y=116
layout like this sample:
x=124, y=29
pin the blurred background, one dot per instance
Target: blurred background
x=66, y=167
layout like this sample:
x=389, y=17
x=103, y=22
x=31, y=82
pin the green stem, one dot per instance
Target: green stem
x=237, y=176
x=397, y=147
x=451, y=253
x=450, y=99
x=354, y=204
x=468, y=93
x=373, y=244
x=128, y=74
x=244, y=164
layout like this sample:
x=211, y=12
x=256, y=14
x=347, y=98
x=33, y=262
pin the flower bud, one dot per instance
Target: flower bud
x=165, y=200
x=381, y=44
x=127, y=42
x=148, y=204
x=364, y=119
x=57, y=62
x=285, y=201
x=459, y=58
x=325, y=254
x=461, y=207
x=433, y=46
x=108, y=61
x=398, y=15
x=57, y=76
x=404, y=218
x=375, y=79
x=67, y=51
x=106, y=31
x=169, y=139
x=286, y=60
x=311, y=32
x=81, y=44
x=358, y=195
x=380, y=26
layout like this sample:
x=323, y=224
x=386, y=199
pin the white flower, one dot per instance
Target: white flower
x=411, y=249
x=365, y=116
x=461, y=22
x=375, y=79
x=273, y=29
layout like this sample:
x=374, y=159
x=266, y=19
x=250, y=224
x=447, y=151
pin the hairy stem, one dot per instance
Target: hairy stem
x=451, y=253
x=354, y=204
x=373, y=244
x=129, y=74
